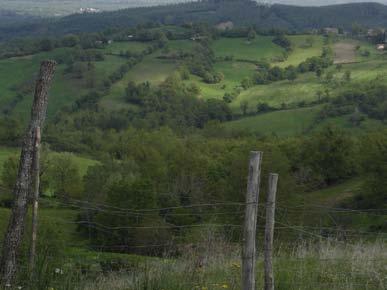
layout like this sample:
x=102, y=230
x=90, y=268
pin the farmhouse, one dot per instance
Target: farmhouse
x=197, y=37
x=225, y=25
x=331, y=30
x=88, y=10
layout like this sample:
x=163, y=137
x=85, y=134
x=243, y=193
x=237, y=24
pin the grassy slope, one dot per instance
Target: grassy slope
x=234, y=72
x=13, y=72
x=150, y=69
x=281, y=123
x=261, y=48
x=52, y=216
x=304, y=88
x=22, y=71
x=344, y=123
x=5, y=153
x=333, y=195
x=297, y=121
x=132, y=46
x=83, y=163
x=300, y=51
x=65, y=89
x=181, y=45
x=322, y=209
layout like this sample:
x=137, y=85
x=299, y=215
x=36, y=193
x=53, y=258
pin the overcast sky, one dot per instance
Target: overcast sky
x=322, y=2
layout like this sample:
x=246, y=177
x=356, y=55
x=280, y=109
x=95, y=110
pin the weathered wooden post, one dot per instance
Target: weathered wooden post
x=250, y=228
x=22, y=190
x=35, y=201
x=269, y=231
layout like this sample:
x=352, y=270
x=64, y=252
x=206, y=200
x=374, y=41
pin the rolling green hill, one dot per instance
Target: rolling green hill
x=239, y=12
x=82, y=163
x=260, y=48
x=17, y=74
x=281, y=123
x=279, y=93
x=303, y=47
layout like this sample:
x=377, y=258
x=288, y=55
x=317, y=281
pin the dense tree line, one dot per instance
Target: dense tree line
x=144, y=169
x=266, y=74
x=170, y=151
x=359, y=101
x=241, y=13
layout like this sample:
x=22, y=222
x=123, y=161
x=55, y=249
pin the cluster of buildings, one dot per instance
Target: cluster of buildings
x=371, y=34
x=88, y=10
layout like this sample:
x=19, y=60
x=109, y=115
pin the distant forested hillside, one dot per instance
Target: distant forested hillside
x=9, y=18
x=322, y=2
x=241, y=12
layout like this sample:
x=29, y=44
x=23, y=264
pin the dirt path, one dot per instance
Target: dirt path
x=345, y=52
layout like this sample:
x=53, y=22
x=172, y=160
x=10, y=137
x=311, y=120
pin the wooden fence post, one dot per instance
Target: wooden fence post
x=250, y=227
x=22, y=190
x=35, y=201
x=269, y=231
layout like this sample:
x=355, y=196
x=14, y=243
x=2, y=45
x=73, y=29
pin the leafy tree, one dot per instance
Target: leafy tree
x=347, y=76
x=276, y=74
x=244, y=105
x=291, y=73
x=9, y=173
x=70, y=40
x=47, y=44
x=64, y=176
x=10, y=131
x=247, y=83
x=251, y=34
x=263, y=107
x=319, y=72
x=283, y=41
x=261, y=77
x=329, y=76
x=374, y=167
x=331, y=154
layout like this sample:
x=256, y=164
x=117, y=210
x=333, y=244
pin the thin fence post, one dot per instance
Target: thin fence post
x=269, y=230
x=22, y=191
x=250, y=226
x=35, y=201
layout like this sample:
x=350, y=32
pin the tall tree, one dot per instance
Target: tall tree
x=15, y=231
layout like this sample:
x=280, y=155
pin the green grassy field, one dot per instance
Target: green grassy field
x=261, y=48
x=343, y=122
x=281, y=123
x=366, y=71
x=150, y=69
x=82, y=163
x=181, y=45
x=17, y=76
x=124, y=46
x=333, y=195
x=66, y=89
x=60, y=219
x=304, y=88
x=304, y=46
x=15, y=72
x=5, y=153
x=234, y=72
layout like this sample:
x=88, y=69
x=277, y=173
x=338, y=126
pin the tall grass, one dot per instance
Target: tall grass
x=306, y=265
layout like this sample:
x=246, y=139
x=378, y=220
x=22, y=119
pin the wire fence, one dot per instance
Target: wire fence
x=227, y=217
x=211, y=215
